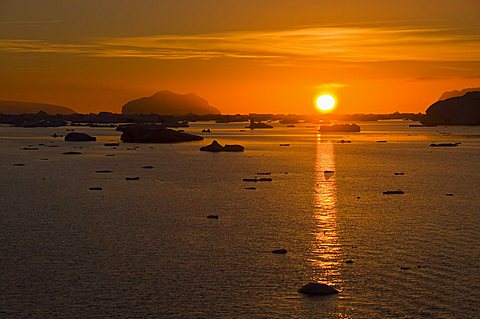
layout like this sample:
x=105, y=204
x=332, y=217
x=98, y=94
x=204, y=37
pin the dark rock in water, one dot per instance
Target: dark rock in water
x=342, y=128
x=110, y=155
x=212, y=216
x=349, y=261
x=148, y=167
x=263, y=179
x=381, y=141
x=459, y=110
x=251, y=188
x=44, y=159
x=449, y=194
x=111, y=144
x=30, y=149
x=279, y=251
x=405, y=268
x=53, y=145
x=265, y=173
x=216, y=147
x=153, y=133
x=95, y=188
x=71, y=153
x=344, y=142
x=254, y=125
x=169, y=103
x=397, y=192
x=284, y=144
x=132, y=178
x=399, y=173
x=104, y=171
x=422, y=125
x=317, y=289
x=444, y=144
x=19, y=164
x=79, y=137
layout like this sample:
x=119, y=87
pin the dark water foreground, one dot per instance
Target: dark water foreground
x=145, y=249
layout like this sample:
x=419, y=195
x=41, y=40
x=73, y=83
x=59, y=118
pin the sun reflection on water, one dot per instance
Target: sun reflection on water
x=326, y=250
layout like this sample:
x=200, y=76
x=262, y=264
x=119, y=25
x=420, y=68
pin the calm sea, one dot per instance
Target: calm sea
x=145, y=249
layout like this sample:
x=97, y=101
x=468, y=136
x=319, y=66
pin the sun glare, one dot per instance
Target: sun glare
x=326, y=103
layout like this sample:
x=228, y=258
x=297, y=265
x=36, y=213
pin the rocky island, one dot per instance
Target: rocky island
x=340, y=128
x=169, y=103
x=153, y=133
x=215, y=147
x=254, y=125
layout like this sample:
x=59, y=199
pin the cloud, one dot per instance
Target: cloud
x=28, y=23
x=331, y=86
x=346, y=44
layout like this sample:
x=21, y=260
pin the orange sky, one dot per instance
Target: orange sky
x=242, y=56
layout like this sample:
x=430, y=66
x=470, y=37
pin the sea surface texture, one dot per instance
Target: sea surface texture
x=145, y=248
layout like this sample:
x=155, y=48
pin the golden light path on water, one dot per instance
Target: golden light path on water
x=326, y=250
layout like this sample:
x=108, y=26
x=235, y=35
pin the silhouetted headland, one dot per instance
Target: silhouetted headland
x=462, y=110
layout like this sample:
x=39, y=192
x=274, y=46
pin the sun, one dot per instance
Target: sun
x=326, y=103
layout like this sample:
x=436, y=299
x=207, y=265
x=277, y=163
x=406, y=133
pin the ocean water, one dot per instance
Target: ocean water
x=145, y=249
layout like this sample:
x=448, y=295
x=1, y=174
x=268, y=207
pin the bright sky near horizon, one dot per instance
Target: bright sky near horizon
x=269, y=56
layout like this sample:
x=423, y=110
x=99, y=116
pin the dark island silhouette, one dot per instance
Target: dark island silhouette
x=169, y=103
x=19, y=107
x=352, y=128
x=461, y=110
x=216, y=147
x=153, y=133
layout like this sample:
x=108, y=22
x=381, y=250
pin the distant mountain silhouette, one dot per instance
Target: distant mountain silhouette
x=168, y=103
x=461, y=110
x=18, y=107
x=456, y=93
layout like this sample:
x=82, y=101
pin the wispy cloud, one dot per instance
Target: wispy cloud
x=28, y=23
x=348, y=44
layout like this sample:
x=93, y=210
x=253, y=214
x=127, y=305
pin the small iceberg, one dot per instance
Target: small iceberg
x=215, y=147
